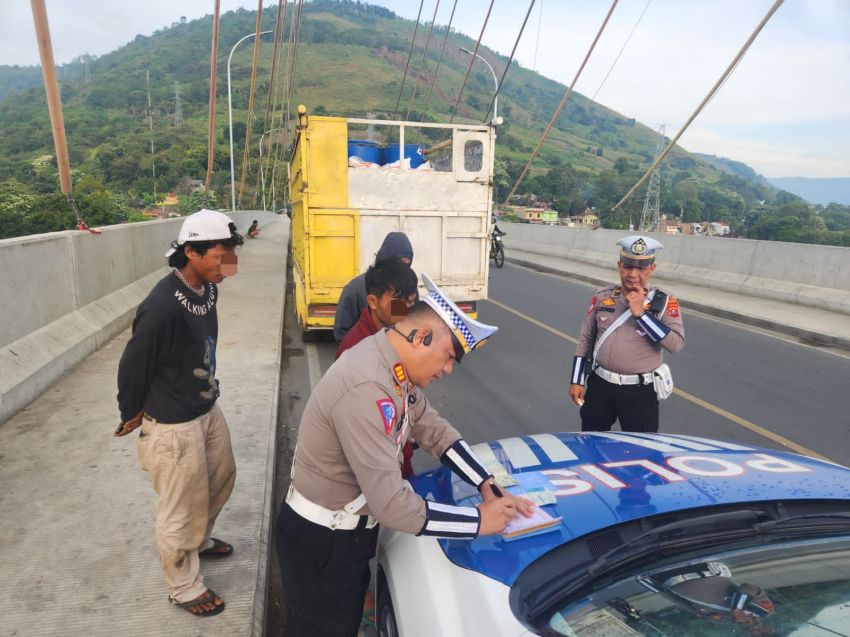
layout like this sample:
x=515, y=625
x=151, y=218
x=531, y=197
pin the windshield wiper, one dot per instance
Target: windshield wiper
x=705, y=530
x=808, y=522
x=745, y=520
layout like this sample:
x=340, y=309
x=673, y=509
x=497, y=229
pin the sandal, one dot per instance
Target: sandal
x=220, y=548
x=367, y=620
x=209, y=598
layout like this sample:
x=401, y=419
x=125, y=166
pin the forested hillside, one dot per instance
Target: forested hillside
x=350, y=61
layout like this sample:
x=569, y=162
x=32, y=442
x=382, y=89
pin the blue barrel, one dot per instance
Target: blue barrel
x=366, y=150
x=414, y=152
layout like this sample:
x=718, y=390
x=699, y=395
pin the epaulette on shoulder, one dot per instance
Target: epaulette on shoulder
x=609, y=290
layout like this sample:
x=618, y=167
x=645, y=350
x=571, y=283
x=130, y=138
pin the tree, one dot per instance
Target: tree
x=687, y=196
x=501, y=179
x=621, y=165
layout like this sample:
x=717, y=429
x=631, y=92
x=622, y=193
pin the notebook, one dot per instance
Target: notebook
x=539, y=522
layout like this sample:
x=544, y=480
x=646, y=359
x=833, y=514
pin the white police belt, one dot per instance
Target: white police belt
x=343, y=520
x=623, y=379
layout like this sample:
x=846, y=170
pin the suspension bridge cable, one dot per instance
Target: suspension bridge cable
x=279, y=86
x=271, y=101
x=439, y=61
x=288, y=126
x=508, y=65
x=409, y=53
x=245, y=153
x=285, y=101
x=537, y=42
x=705, y=101
x=211, y=121
x=471, y=61
x=562, y=104
x=422, y=63
x=623, y=48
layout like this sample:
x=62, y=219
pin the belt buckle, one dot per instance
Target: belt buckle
x=337, y=519
x=618, y=378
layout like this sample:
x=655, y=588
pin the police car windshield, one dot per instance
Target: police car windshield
x=591, y=563
x=790, y=589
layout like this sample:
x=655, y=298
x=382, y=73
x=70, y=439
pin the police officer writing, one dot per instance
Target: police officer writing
x=346, y=478
x=618, y=370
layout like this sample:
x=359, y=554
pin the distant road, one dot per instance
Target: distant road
x=735, y=384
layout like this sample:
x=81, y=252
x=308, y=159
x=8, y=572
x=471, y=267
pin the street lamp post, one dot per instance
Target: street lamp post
x=230, y=118
x=495, y=81
x=262, y=174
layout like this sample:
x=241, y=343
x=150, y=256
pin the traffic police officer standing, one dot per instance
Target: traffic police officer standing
x=346, y=476
x=625, y=331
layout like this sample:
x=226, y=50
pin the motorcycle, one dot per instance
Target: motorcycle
x=497, y=249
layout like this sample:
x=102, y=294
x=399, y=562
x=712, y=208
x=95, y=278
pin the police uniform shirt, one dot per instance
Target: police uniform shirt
x=635, y=347
x=351, y=436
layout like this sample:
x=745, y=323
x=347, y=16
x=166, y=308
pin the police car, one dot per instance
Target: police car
x=660, y=535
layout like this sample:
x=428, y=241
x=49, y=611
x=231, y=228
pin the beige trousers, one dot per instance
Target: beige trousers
x=192, y=470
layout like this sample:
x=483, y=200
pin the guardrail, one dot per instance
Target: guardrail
x=65, y=294
x=810, y=275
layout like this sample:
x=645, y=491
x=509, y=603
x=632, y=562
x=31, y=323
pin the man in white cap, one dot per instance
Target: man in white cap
x=346, y=478
x=167, y=385
x=618, y=360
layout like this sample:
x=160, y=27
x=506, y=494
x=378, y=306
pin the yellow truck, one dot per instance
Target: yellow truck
x=347, y=194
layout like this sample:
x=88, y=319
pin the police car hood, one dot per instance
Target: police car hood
x=603, y=479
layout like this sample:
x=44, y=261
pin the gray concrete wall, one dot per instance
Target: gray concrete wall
x=64, y=294
x=799, y=273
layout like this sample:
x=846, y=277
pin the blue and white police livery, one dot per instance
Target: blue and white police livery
x=610, y=488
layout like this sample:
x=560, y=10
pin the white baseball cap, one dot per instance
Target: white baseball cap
x=204, y=225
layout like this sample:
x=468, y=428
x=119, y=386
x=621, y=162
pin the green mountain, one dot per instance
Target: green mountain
x=350, y=61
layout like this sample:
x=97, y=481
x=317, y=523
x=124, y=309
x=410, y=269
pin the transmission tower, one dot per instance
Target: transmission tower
x=650, y=217
x=178, y=105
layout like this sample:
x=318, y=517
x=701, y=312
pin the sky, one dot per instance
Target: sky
x=785, y=111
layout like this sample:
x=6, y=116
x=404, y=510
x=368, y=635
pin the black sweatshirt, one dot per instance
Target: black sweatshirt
x=168, y=366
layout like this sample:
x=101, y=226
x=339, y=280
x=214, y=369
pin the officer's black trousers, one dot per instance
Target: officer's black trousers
x=636, y=406
x=325, y=575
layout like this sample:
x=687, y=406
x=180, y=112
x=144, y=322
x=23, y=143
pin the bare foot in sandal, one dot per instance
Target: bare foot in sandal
x=204, y=605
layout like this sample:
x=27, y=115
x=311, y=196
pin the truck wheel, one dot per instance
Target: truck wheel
x=309, y=336
x=387, y=626
x=500, y=256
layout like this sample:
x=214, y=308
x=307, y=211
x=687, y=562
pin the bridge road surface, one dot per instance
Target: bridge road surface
x=517, y=383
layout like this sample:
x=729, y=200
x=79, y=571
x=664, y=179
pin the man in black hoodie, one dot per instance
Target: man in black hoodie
x=352, y=300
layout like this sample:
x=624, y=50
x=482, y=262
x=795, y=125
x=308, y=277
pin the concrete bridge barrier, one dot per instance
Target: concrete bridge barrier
x=804, y=274
x=64, y=294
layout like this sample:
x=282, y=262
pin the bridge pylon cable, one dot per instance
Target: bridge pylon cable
x=562, y=104
x=706, y=100
x=409, y=53
x=508, y=65
x=245, y=152
x=422, y=63
x=439, y=61
x=271, y=104
x=271, y=156
x=622, y=48
x=471, y=61
x=211, y=119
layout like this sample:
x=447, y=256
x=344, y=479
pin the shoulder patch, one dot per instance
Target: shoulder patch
x=673, y=307
x=592, y=304
x=386, y=408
